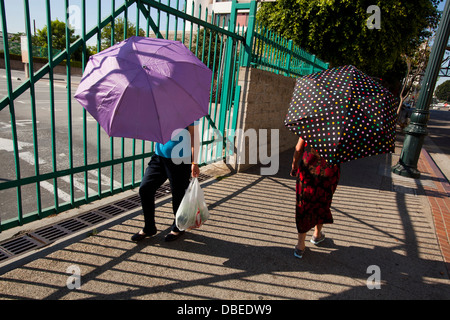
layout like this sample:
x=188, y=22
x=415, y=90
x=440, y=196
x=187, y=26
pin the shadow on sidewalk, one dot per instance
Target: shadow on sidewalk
x=270, y=272
x=245, y=250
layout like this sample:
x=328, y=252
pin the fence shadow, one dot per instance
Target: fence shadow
x=245, y=251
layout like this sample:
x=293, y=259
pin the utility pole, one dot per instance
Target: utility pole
x=417, y=129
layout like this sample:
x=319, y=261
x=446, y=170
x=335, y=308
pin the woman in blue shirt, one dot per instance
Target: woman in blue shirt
x=174, y=161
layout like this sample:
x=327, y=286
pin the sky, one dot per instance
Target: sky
x=442, y=79
x=38, y=17
x=15, y=12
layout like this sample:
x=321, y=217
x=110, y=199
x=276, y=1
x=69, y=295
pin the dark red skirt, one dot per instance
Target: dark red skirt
x=316, y=183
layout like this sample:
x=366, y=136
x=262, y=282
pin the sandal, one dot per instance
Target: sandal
x=318, y=240
x=299, y=253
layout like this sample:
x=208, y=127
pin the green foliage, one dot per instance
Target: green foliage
x=58, y=31
x=119, y=32
x=336, y=30
x=442, y=91
x=207, y=46
x=44, y=60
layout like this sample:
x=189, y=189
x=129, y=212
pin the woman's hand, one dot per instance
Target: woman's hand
x=299, y=148
x=294, y=169
x=195, y=170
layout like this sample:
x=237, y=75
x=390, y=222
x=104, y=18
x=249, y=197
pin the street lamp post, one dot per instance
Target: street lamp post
x=417, y=129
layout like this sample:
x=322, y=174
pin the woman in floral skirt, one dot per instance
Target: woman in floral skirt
x=316, y=182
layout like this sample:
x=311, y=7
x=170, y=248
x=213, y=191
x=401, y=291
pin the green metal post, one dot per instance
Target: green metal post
x=176, y=22
x=288, y=58
x=122, y=143
x=167, y=22
x=99, y=48
x=33, y=103
x=247, y=58
x=11, y=109
x=111, y=139
x=417, y=129
x=69, y=102
x=313, y=61
x=52, y=101
x=83, y=66
x=227, y=76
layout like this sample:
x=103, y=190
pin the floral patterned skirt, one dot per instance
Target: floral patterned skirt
x=316, y=182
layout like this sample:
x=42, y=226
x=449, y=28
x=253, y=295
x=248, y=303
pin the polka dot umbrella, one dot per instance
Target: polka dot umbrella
x=343, y=114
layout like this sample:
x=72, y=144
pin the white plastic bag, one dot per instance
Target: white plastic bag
x=192, y=212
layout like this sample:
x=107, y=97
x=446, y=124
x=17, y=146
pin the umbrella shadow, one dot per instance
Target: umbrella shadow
x=335, y=271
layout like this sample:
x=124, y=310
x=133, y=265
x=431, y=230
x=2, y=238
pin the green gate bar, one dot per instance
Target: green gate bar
x=222, y=48
x=10, y=98
x=33, y=104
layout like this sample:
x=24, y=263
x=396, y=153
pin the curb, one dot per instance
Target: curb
x=440, y=205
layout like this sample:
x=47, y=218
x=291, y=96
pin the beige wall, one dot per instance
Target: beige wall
x=265, y=98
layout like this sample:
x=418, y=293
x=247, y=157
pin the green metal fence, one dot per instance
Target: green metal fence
x=38, y=51
x=55, y=157
x=276, y=54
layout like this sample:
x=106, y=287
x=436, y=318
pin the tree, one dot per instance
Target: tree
x=337, y=31
x=58, y=29
x=16, y=37
x=442, y=91
x=119, y=25
x=207, y=45
x=416, y=67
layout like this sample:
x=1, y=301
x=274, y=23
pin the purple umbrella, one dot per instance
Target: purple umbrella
x=145, y=88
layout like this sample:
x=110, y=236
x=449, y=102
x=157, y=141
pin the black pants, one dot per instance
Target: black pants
x=158, y=171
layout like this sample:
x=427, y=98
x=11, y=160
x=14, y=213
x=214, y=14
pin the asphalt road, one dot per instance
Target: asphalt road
x=437, y=143
x=439, y=129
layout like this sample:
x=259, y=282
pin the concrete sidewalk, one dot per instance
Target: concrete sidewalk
x=382, y=222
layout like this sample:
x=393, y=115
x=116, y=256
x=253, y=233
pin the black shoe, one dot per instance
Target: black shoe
x=171, y=236
x=141, y=236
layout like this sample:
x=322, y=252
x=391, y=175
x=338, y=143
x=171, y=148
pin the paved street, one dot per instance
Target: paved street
x=438, y=140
